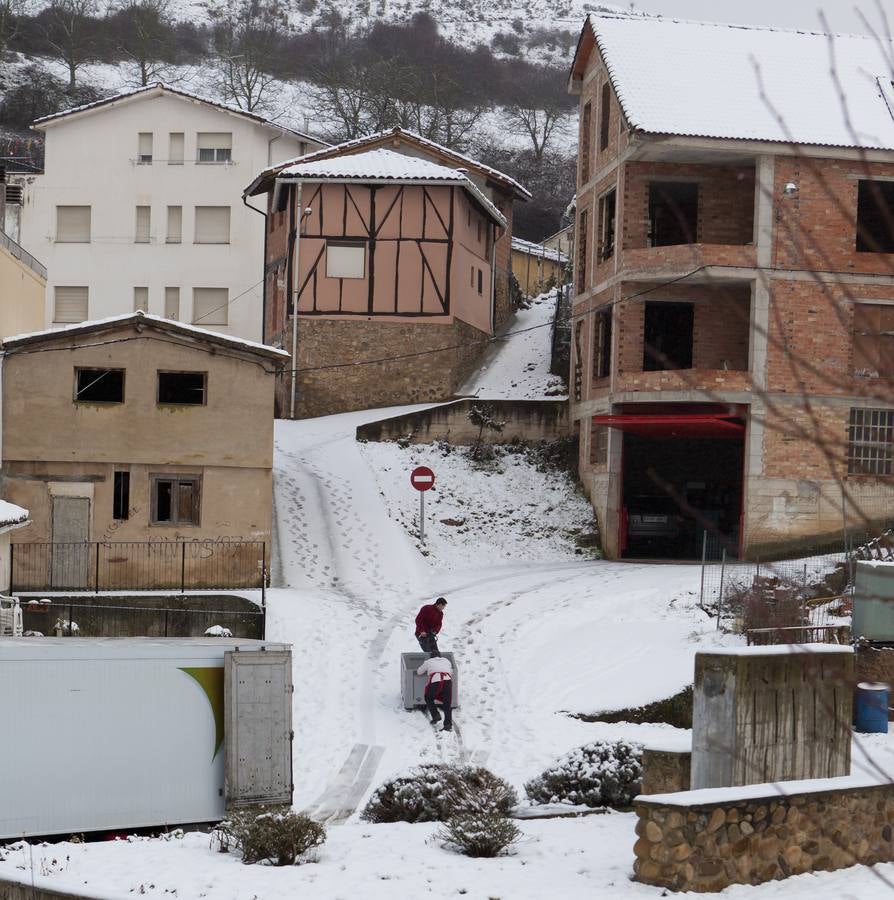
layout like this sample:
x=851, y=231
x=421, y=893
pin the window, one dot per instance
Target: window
x=480, y=282
x=582, y=252
x=472, y=277
x=598, y=445
x=73, y=224
x=121, y=496
x=602, y=344
x=172, y=302
x=175, y=500
x=345, y=259
x=214, y=147
x=212, y=225
x=585, y=125
x=99, y=385
x=578, y=357
x=182, y=388
x=209, y=306
x=144, y=148
x=604, y=115
x=141, y=233
x=673, y=213
x=667, y=336
x=875, y=217
x=70, y=304
x=606, y=246
x=175, y=225
x=874, y=340
x=141, y=299
x=175, y=148
x=480, y=230
x=870, y=442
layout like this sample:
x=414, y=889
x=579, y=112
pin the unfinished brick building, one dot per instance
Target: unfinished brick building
x=733, y=330
x=398, y=271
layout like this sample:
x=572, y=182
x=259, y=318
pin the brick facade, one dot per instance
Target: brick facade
x=773, y=276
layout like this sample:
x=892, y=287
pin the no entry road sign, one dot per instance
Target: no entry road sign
x=422, y=478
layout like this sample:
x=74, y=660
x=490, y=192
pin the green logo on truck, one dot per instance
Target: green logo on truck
x=211, y=681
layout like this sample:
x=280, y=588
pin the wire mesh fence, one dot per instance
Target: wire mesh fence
x=138, y=565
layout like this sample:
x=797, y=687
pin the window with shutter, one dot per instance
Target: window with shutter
x=345, y=259
x=209, y=306
x=175, y=224
x=144, y=148
x=141, y=233
x=141, y=299
x=70, y=304
x=172, y=302
x=212, y=225
x=175, y=148
x=73, y=224
x=214, y=147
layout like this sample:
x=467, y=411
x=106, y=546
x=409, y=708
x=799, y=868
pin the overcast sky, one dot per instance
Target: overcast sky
x=782, y=13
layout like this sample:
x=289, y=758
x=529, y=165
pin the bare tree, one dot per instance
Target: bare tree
x=537, y=123
x=147, y=25
x=66, y=29
x=248, y=37
x=11, y=12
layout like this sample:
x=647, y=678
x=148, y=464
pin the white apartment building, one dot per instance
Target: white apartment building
x=140, y=207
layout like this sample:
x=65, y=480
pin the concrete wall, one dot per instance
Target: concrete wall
x=526, y=420
x=21, y=296
x=91, y=161
x=688, y=845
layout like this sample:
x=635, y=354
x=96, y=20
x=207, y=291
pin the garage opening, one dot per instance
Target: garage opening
x=681, y=475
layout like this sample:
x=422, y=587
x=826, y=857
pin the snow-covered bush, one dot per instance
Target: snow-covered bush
x=479, y=834
x=604, y=773
x=433, y=793
x=274, y=835
x=218, y=631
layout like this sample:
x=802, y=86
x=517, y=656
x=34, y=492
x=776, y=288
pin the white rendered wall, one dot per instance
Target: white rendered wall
x=91, y=161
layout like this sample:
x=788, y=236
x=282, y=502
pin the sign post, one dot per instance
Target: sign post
x=423, y=479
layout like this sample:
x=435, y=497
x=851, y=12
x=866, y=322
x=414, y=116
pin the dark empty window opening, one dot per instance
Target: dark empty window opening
x=175, y=501
x=667, y=336
x=602, y=344
x=480, y=282
x=585, y=126
x=606, y=226
x=875, y=217
x=673, y=213
x=604, y=116
x=582, y=238
x=185, y=388
x=99, y=385
x=121, y=496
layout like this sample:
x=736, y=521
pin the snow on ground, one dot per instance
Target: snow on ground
x=532, y=640
x=517, y=365
x=478, y=514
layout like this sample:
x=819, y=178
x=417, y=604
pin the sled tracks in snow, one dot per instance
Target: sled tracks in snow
x=339, y=801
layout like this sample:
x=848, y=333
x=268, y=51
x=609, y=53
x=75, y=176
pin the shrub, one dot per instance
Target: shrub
x=479, y=834
x=603, y=773
x=433, y=793
x=269, y=834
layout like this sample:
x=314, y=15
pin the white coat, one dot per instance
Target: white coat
x=437, y=668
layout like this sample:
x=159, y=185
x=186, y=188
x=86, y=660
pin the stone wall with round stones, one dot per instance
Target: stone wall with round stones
x=685, y=845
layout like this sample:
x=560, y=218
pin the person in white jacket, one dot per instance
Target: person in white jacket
x=439, y=688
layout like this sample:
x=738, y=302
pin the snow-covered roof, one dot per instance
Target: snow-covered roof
x=11, y=515
x=140, y=317
x=702, y=79
x=160, y=87
x=538, y=250
x=386, y=165
x=411, y=137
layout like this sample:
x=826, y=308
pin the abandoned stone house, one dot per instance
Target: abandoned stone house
x=733, y=319
x=387, y=269
x=135, y=429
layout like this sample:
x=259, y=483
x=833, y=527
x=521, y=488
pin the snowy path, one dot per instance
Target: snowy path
x=531, y=639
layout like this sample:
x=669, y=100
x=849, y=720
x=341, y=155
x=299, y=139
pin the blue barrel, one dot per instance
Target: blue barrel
x=872, y=707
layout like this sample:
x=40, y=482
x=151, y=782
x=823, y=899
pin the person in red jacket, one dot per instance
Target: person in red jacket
x=428, y=625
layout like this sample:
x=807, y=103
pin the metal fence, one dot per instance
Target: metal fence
x=138, y=565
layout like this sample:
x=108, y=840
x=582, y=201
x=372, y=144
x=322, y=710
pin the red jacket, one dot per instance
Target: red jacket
x=429, y=619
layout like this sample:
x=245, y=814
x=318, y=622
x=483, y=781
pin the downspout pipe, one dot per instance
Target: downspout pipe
x=261, y=212
x=296, y=276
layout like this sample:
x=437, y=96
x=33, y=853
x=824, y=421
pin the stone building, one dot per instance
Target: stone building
x=733, y=330
x=389, y=248
x=135, y=429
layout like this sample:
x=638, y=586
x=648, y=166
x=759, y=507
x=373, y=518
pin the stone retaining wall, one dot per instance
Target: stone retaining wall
x=707, y=847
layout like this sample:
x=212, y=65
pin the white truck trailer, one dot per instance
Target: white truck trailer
x=104, y=734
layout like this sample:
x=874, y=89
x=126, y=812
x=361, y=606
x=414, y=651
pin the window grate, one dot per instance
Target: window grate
x=870, y=444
